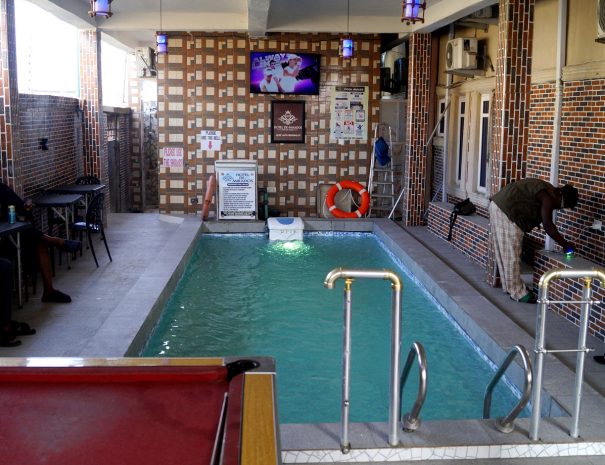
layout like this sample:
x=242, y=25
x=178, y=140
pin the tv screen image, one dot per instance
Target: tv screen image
x=284, y=73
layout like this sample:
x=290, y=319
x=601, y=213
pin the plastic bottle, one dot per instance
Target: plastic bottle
x=12, y=215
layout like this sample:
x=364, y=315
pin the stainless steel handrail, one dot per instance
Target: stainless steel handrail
x=411, y=420
x=540, y=350
x=507, y=424
x=396, y=286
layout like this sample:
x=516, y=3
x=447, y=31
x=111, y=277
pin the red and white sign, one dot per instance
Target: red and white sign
x=172, y=157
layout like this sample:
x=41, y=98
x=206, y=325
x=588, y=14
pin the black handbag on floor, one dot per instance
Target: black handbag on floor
x=464, y=208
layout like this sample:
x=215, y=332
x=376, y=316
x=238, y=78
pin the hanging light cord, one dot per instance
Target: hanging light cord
x=348, y=4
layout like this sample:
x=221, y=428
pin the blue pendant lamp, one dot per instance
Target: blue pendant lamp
x=100, y=8
x=161, y=38
x=413, y=11
x=346, y=44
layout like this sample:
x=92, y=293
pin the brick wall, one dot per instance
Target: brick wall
x=417, y=129
x=203, y=84
x=571, y=289
x=125, y=151
x=581, y=158
x=437, y=176
x=95, y=143
x=10, y=168
x=469, y=234
x=55, y=119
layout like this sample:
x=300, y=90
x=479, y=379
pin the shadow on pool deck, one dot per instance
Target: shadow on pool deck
x=111, y=303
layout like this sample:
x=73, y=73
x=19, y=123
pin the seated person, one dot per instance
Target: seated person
x=9, y=329
x=34, y=244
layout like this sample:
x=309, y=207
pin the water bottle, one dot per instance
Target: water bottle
x=12, y=215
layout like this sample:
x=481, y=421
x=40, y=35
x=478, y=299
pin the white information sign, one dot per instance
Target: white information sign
x=211, y=140
x=172, y=157
x=349, y=113
x=237, y=195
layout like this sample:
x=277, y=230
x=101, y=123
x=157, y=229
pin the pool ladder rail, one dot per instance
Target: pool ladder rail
x=540, y=350
x=411, y=420
x=507, y=424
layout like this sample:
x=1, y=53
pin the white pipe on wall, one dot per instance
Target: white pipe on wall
x=556, y=132
x=446, y=132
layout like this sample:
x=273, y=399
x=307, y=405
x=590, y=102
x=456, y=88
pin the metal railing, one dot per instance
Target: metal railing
x=507, y=424
x=349, y=276
x=411, y=420
x=540, y=350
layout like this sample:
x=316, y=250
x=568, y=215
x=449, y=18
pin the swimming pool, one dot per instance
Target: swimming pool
x=272, y=302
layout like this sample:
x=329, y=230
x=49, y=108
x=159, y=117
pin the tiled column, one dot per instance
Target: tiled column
x=9, y=95
x=95, y=140
x=414, y=183
x=135, y=103
x=510, y=129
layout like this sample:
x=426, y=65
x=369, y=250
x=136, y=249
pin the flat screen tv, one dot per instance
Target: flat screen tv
x=284, y=73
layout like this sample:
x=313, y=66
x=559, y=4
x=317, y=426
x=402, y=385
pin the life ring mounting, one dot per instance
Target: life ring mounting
x=353, y=185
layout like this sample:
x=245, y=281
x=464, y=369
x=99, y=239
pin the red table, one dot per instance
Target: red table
x=135, y=411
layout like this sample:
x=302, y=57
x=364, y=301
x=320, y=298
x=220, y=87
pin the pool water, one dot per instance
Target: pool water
x=244, y=295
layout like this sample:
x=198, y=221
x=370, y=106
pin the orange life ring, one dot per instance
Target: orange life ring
x=365, y=199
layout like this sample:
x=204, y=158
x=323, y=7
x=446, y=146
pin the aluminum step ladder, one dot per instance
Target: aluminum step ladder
x=381, y=182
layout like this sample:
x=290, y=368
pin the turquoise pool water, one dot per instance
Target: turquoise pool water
x=244, y=295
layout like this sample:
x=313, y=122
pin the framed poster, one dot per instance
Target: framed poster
x=287, y=122
x=236, y=192
x=348, y=113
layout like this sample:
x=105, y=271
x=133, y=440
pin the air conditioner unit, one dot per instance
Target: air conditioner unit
x=461, y=53
x=601, y=20
x=145, y=61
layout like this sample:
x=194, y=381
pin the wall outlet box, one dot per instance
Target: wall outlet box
x=597, y=225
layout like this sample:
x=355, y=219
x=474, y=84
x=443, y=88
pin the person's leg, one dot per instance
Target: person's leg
x=49, y=294
x=507, y=239
x=6, y=291
x=7, y=334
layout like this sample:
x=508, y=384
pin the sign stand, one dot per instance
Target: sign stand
x=237, y=198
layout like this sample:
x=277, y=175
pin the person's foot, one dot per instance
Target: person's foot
x=8, y=337
x=528, y=298
x=21, y=329
x=71, y=246
x=56, y=297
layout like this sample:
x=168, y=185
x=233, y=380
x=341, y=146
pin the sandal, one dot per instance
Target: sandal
x=21, y=329
x=528, y=298
x=57, y=297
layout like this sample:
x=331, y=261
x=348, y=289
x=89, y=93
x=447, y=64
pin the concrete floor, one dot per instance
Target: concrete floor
x=111, y=303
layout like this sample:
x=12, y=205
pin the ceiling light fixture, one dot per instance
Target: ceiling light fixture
x=413, y=10
x=161, y=39
x=100, y=8
x=346, y=43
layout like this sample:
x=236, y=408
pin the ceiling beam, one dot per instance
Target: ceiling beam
x=445, y=12
x=258, y=17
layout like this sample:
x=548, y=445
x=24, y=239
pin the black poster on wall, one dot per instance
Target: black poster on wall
x=288, y=121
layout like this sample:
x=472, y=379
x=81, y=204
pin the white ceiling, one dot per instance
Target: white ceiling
x=134, y=22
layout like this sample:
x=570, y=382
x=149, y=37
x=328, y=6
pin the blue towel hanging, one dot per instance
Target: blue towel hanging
x=381, y=151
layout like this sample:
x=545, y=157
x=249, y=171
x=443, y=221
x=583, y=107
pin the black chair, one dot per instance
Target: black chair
x=87, y=180
x=93, y=224
x=84, y=180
